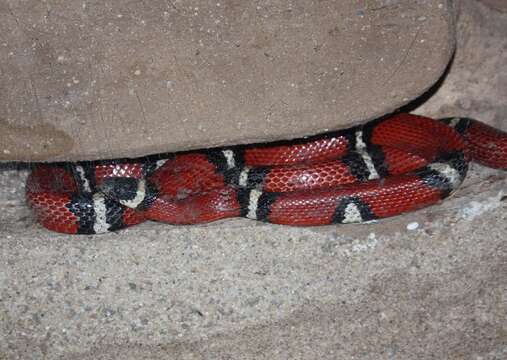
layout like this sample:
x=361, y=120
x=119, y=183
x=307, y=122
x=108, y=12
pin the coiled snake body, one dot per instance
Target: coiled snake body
x=384, y=168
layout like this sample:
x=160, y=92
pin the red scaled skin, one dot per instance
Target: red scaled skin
x=308, y=176
x=488, y=146
x=384, y=197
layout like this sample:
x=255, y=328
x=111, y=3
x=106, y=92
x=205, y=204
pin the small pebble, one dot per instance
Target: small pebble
x=412, y=226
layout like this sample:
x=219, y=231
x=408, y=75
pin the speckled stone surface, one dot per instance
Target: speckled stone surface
x=499, y=5
x=426, y=285
x=239, y=289
x=88, y=80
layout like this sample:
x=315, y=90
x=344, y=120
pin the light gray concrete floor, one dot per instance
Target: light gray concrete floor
x=240, y=289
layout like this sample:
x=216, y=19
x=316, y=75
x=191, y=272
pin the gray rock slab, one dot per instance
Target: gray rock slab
x=89, y=80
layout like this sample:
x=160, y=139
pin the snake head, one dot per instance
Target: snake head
x=130, y=192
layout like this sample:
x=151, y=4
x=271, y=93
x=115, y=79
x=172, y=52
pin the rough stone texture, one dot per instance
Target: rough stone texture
x=88, y=80
x=240, y=289
x=500, y=5
x=476, y=84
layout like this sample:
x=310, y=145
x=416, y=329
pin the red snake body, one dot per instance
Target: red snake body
x=384, y=168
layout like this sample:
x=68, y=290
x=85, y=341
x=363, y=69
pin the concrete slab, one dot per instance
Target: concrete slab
x=85, y=80
x=240, y=289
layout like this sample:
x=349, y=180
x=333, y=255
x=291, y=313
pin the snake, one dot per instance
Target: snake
x=389, y=166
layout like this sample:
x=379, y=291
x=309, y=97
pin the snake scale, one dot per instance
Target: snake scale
x=386, y=167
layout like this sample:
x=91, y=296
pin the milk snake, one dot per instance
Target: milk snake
x=389, y=166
